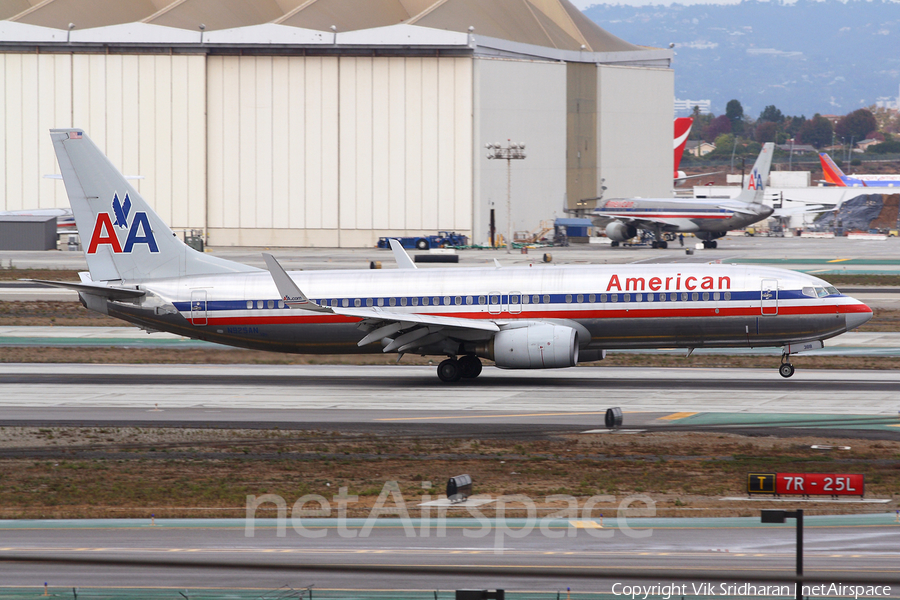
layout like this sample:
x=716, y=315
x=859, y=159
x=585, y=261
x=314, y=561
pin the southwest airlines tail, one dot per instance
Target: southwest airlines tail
x=682, y=131
x=831, y=171
x=123, y=238
x=755, y=184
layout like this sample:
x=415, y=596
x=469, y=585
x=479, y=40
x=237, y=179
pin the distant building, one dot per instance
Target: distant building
x=682, y=106
x=864, y=145
x=699, y=147
x=888, y=102
x=797, y=148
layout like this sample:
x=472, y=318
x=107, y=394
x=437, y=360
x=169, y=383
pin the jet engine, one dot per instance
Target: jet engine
x=533, y=347
x=619, y=231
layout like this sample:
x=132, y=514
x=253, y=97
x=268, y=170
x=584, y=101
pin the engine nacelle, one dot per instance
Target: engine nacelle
x=534, y=347
x=619, y=231
x=710, y=235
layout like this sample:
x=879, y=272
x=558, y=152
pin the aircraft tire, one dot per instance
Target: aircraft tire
x=449, y=371
x=614, y=244
x=470, y=367
x=786, y=370
x=664, y=245
x=714, y=244
x=654, y=244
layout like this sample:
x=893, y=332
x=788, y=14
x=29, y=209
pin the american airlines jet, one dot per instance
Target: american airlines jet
x=519, y=317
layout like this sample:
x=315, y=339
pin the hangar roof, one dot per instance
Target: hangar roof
x=549, y=23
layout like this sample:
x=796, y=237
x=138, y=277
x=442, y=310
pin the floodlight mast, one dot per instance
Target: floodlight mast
x=509, y=153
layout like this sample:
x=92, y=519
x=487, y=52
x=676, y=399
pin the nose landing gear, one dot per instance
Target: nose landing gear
x=786, y=369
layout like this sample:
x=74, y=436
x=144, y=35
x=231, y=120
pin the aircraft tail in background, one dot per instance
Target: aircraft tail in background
x=755, y=183
x=682, y=131
x=831, y=171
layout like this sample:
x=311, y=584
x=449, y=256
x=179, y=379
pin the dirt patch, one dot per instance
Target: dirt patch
x=126, y=472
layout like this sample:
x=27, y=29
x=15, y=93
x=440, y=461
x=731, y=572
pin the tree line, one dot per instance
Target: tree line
x=737, y=133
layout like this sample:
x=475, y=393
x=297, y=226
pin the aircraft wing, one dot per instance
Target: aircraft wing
x=404, y=331
x=113, y=293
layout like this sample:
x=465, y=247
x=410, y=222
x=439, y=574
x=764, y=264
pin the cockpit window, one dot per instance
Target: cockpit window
x=832, y=291
x=820, y=292
x=808, y=291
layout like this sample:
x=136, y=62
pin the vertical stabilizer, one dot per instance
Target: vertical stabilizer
x=831, y=171
x=123, y=238
x=755, y=183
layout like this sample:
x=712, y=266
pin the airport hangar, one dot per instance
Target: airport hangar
x=270, y=127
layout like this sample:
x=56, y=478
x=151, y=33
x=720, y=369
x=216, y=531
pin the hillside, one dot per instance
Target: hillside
x=807, y=57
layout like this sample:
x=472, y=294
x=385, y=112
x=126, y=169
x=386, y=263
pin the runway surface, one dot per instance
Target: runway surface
x=835, y=548
x=382, y=398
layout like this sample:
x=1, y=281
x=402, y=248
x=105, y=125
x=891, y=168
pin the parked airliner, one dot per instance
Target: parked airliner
x=835, y=176
x=708, y=219
x=526, y=317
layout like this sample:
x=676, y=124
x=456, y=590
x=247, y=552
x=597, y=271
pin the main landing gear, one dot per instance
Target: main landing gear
x=663, y=244
x=467, y=367
x=715, y=244
x=786, y=369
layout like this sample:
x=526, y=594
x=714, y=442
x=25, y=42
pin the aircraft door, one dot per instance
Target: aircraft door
x=768, y=298
x=494, y=306
x=198, y=307
x=515, y=303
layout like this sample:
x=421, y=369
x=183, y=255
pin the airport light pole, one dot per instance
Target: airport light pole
x=510, y=152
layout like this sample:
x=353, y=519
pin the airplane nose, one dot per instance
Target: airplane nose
x=860, y=316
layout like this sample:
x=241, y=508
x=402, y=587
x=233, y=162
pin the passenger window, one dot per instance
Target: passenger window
x=580, y=298
x=602, y=297
x=728, y=295
x=458, y=301
x=357, y=302
x=446, y=300
x=345, y=302
x=249, y=303
x=536, y=299
x=270, y=304
x=403, y=301
x=514, y=299
x=568, y=298
x=525, y=298
x=546, y=299
x=415, y=301
x=259, y=304
x=716, y=296
x=468, y=299
x=695, y=296
x=495, y=299
x=627, y=298
x=592, y=298
x=637, y=297
x=392, y=301
x=381, y=302
x=613, y=297
x=368, y=302
x=424, y=300
x=705, y=296
x=281, y=304
x=482, y=300
x=684, y=296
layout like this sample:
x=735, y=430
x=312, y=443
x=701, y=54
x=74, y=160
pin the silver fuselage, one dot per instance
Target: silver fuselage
x=612, y=307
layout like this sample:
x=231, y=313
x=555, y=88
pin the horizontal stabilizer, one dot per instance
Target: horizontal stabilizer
x=113, y=293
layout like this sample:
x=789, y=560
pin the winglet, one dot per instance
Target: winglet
x=288, y=290
x=400, y=255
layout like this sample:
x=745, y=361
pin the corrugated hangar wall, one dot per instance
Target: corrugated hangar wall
x=147, y=112
x=328, y=151
x=520, y=101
